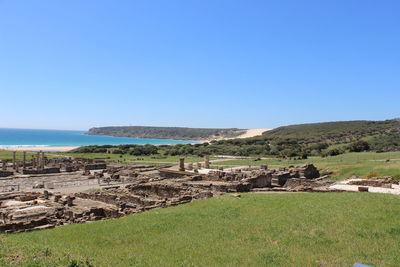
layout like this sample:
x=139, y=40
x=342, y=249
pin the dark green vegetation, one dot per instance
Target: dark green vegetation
x=295, y=141
x=179, y=133
x=301, y=229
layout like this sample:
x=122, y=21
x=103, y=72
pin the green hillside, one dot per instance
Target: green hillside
x=334, y=132
x=300, y=141
x=299, y=229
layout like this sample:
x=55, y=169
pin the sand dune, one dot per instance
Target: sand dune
x=252, y=133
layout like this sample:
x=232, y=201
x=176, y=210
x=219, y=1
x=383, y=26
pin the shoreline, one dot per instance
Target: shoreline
x=249, y=133
x=43, y=149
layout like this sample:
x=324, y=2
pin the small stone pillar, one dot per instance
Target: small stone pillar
x=264, y=166
x=23, y=160
x=38, y=160
x=46, y=194
x=190, y=166
x=182, y=164
x=14, y=160
x=57, y=198
x=4, y=165
x=33, y=162
x=41, y=160
x=207, y=162
x=70, y=201
x=198, y=165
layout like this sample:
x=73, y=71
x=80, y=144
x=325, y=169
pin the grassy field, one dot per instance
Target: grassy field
x=300, y=229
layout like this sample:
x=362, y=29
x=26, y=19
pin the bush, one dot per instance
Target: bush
x=359, y=146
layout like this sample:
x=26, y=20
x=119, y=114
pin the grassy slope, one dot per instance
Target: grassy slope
x=299, y=229
x=342, y=131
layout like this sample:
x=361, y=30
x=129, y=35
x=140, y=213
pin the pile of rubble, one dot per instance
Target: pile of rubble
x=259, y=178
x=386, y=182
x=387, y=185
x=20, y=212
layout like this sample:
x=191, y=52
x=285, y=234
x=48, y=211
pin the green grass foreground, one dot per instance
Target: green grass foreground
x=299, y=229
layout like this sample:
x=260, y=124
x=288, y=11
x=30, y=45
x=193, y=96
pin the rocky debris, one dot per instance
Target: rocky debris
x=41, y=171
x=363, y=189
x=386, y=185
x=34, y=211
x=6, y=173
x=95, y=166
x=307, y=185
x=259, y=178
x=385, y=182
x=308, y=171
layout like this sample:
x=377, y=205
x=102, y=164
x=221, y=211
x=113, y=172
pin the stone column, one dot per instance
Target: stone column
x=43, y=160
x=33, y=162
x=264, y=166
x=24, y=160
x=190, y=166
x=207, y=162
x=57, y=198
x=70, y=201
x=4, y=165
x=198, y=165
x=38, y=160
x=14, y=160
x=182, y=164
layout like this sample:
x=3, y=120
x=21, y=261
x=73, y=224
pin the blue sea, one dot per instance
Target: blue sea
x=14, y=138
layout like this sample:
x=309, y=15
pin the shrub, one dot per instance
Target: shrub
x=359, y=146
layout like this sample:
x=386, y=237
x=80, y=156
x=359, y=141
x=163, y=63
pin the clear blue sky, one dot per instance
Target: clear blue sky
x=75, y=64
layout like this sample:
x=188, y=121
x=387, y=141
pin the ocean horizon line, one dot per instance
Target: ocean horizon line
x=34, y=138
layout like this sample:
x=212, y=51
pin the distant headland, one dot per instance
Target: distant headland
x=176, y=133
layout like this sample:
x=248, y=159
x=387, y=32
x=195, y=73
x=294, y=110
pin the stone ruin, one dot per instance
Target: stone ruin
x=21, y=212
x=40, y=164
x=385, y=182
x=53, y=199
